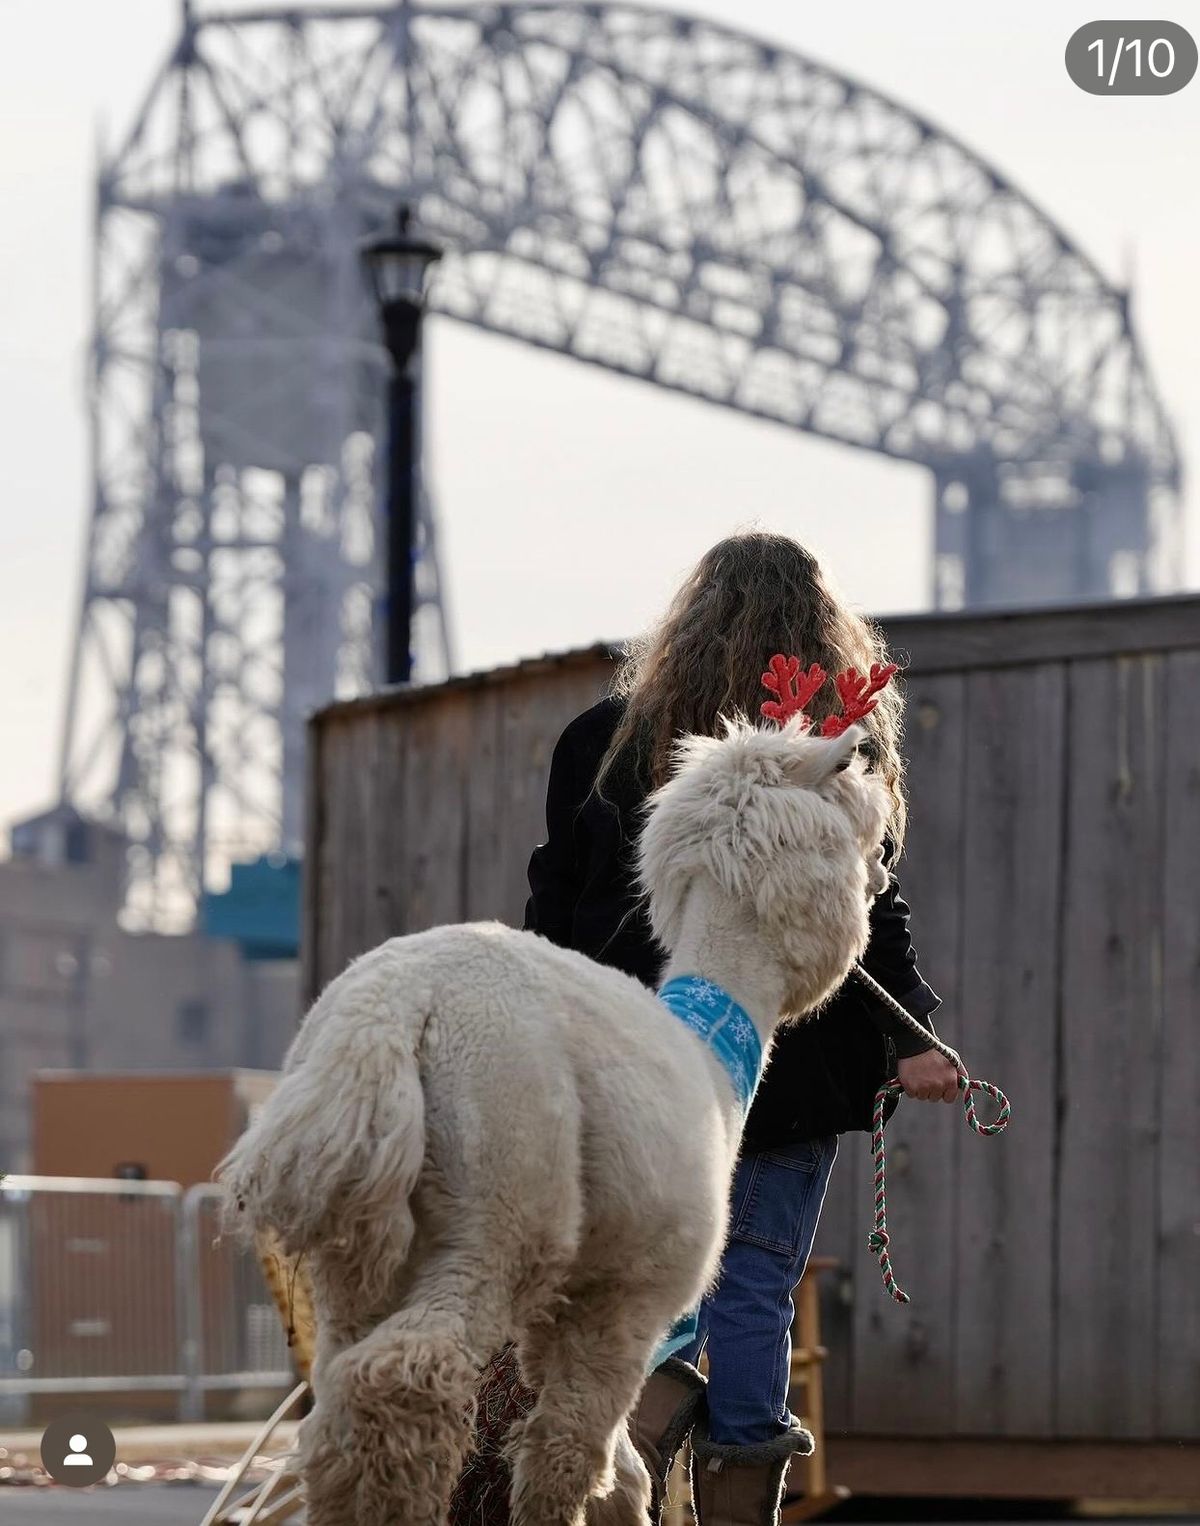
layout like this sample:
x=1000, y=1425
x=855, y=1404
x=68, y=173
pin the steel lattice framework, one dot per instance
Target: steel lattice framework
x=654, y=194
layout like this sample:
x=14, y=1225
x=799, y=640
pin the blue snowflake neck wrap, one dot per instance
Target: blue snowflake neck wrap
x=710, y=1011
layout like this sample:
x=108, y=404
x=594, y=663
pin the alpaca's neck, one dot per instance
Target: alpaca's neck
x=719, y=940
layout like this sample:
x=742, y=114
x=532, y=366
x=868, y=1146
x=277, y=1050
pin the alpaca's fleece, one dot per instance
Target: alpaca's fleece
x=786, y=822
x=480, y=1137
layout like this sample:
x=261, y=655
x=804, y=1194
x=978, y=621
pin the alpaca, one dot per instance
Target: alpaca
x=481, y=1137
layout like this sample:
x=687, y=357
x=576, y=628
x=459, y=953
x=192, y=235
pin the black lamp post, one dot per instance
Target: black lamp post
x=398, y=265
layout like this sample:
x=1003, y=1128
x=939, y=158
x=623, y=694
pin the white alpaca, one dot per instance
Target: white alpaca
x=482, y=1137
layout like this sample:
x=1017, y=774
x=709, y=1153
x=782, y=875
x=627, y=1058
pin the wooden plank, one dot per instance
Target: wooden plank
x=1006, y=1031
x=349, y=755
x=1111, y=1012
x=1178, y=1375
x=961, y=641
x=360, y=773
x=903, y=1355
x=326, y=883
x=1011, y=1469
x=928, y=644
x=436, y=741
x=483, y=809
x=315, y=802
x=529, y=732
x=532, y=718
x=592, y=664
x=367, y=788
x=843, y=1217
x=383, y=868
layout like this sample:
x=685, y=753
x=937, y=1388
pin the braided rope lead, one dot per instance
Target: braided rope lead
x=879, y=1241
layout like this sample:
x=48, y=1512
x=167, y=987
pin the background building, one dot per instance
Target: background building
x=79, y=992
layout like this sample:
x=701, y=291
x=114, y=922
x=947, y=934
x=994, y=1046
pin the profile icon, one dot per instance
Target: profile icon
x=78, y=1449
x=78, y=1457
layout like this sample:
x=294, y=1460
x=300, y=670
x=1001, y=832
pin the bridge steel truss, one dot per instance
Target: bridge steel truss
x=648, y=192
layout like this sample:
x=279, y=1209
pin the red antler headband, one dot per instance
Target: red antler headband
x=793, y=689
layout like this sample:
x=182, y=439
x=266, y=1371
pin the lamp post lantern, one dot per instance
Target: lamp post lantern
x=398, y=265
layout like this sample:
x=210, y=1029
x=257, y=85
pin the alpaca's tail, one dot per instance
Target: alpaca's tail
x=337, y=1149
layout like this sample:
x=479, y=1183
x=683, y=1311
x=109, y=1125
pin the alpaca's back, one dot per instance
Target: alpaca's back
x=548, y=1093
x=562, y=1091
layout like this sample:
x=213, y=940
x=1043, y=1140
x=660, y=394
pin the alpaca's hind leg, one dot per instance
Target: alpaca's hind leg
x=397, y=1408
x=629, y=1499
x=344, y=1316
x=593, y=1361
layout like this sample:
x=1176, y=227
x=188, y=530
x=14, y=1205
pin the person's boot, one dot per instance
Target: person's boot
x=743, y=1486
x=669, y=1405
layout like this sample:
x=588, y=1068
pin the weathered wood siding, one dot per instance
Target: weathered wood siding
x=1055, y=789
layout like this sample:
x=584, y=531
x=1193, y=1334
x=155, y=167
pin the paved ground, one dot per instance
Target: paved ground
x=156, y=1443
x=185, y=1504
x=141, y=1504
x=146, y=1504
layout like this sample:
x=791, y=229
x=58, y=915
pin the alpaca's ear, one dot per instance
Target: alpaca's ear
x=836, y=752
x=814, y=759
x=692, y=749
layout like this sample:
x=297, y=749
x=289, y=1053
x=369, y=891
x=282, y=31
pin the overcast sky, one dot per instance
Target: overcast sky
x=570, y=501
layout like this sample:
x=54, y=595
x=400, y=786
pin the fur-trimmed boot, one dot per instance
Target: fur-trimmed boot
x=670, y=1404
x=743, y=1486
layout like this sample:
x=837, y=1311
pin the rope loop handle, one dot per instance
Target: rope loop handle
x=879, y=1241
x=998, y=1124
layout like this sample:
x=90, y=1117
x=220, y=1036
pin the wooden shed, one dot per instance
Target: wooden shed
x=1052, y=1346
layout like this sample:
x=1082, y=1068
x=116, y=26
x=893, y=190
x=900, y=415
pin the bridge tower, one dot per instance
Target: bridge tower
x=654, y=194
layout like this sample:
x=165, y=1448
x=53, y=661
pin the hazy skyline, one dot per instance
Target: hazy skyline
x=550, y=476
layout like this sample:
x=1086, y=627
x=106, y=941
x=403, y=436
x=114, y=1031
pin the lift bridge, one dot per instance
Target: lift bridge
x=651, y=193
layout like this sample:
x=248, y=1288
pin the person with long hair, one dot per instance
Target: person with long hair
x=750, y=596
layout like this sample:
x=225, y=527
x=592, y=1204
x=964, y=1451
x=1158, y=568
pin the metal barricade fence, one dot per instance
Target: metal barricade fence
x=234, y=1339
x=122, y=1287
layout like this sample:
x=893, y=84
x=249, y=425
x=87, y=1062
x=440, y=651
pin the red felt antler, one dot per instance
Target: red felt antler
x=858, y=695
x=792, y=689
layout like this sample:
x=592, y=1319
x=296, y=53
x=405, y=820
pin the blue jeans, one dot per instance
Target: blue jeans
x=746, y=1320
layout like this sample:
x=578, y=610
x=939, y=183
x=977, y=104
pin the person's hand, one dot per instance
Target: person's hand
x=928, y=1077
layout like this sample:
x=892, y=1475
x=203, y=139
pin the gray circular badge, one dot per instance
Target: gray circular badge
x=1131, y=57
x=78, y=1449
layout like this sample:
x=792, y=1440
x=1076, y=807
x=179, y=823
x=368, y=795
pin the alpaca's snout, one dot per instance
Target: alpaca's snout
x=877, y=875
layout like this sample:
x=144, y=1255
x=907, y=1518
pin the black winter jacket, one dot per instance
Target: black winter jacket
x=823, y=1074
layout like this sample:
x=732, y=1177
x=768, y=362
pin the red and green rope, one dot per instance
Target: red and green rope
x=879, y=1241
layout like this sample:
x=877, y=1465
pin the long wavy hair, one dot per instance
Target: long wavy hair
x=750, y=596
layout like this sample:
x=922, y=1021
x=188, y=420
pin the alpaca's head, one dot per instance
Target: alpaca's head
x=786, y=824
